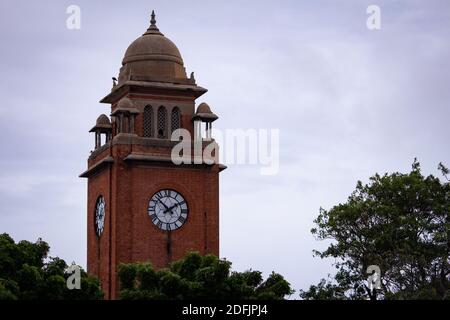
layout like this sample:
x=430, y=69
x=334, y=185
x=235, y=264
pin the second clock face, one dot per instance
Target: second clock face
x=168, y=210
x=99, y=216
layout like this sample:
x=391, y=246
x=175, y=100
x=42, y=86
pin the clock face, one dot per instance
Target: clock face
x=99, y=216
x=168, y=210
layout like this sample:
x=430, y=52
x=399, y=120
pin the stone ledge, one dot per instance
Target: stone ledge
x=167, y=159
x=99, y=165
x=124, y=88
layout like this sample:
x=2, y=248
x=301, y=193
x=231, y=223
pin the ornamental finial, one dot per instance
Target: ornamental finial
x=153, y=29
x=153, y=19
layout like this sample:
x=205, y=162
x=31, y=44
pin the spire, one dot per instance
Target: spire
x=153, y=20
x=153, y=29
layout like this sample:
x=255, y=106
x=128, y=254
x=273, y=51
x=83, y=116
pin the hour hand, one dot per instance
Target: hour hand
x=170, y=209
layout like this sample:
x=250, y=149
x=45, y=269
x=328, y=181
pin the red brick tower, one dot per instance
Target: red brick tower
x=141, y=206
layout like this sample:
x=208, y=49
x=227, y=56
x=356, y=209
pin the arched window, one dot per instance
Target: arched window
x=162, y=122
x=148, y=121
x=175, y=119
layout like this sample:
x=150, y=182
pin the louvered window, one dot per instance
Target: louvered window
x=148, y=121
x=175, y=119
x=162, y=122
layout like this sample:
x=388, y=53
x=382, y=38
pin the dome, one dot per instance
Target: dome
x=102, y=124
x=152, y=55
x=125, y=103
x=152, y=46
x=203, y=108
x=204, y=113
x=103, y=120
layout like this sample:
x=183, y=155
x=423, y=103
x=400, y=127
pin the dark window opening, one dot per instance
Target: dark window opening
x=148, y=121
x=162, y=122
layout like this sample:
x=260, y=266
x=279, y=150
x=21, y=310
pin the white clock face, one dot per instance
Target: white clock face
x=99, y=216
x=168, y=210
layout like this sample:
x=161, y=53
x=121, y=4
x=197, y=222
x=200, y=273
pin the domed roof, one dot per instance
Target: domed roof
x=204, y=113
x=152, y=46
x=102, y=124
x=125, y=103
x=103, y=120
x=203, y=108
x=152, y=55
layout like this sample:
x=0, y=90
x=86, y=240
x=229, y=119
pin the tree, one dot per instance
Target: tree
x=27, y=274
x=198, y=277
x=399, y=222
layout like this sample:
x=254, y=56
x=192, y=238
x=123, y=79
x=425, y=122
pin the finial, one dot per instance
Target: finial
x=153, y=20
x=153, y=29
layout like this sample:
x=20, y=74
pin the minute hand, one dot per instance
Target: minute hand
x=163, y=205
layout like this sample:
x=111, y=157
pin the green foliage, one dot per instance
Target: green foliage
x=198, y=277
x=127, y=274
x=27, y=274
x=325, y=290
x=401, y=223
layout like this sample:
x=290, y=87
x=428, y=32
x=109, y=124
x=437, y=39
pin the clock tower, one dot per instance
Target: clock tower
x=143, y=206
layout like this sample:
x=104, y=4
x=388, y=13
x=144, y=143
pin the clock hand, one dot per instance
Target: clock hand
x=160, y=201
x=170, y=209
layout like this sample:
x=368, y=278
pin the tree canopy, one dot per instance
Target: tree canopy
x=399, y=222
x=198, y=277
x=27, y=274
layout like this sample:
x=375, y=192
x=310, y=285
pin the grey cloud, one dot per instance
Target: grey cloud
x=349, y=102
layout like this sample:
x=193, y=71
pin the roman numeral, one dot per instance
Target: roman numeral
x=181, y=219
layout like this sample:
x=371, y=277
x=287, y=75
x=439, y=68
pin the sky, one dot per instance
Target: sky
x=348, y=101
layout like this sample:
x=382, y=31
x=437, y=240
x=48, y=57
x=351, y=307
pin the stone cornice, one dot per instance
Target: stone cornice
x=96, y=167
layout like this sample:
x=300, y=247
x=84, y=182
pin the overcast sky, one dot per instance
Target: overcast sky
x=348, y=101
